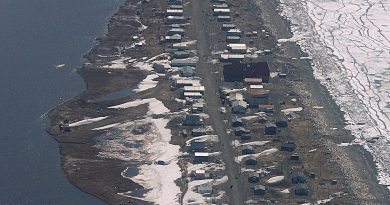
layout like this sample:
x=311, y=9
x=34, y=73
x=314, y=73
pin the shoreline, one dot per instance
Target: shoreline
x=80, y=107
x=355, y=151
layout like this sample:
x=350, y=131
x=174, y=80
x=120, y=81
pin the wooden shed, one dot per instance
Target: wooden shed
x=259, y=190
x=250, y=160
x=253, y=177
x=270, y=129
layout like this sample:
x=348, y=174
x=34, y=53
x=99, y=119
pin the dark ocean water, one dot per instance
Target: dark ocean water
x=36, y=35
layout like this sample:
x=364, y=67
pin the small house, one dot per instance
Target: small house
x=256, y=97
x=234, y=32
x=198, y=132
x=201, y=157
x=270, y=129
x=205, y=189
x=237, y=48
x=288, y=147
x=159, y=68
x=246, y=136
x=223, y=18
x=199, y=174
x=184, y=133
x=301, y=190
x=256, y=86
x=198, y=89
x=266, y=108
x=174, y=12
x=186, y=82
x=173, y=39
x=181, y=46
x=197, y=145
x=259, y=190
x=239, y=107
x=175, y=2
x=170, y=50
x=238, y=131
x=228, y=26
x=253, y=177
x=281, y=122
x=64, y=127
x=174, y=25
x=187, y=71
x=181, y=54
x=176, y=19
x=197, y=107
x=295, y=157
x=263, y=119
x=298, y=178
x=228, y=57
x=174, y=31
x=251, y=33
x=247, y=149
x=282, y=75
x=253, y=81
x=176, y=7
x=192, y=120
x=192, y=95
x=221, y=12
x=233, y=39
x=220, y=6
x=237, y=122
x=235, y=97
x=183, y=62
x=250, y=160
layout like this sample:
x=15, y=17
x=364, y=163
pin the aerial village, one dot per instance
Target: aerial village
x=256, y=125
x=237, y=129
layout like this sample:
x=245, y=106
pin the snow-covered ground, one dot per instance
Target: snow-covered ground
x=275, y=179
x=192, y=197
x=147, y=83
x=150, y=143
x=263, y=153
x=87, y=121
x=155, y=106
x=349, y=42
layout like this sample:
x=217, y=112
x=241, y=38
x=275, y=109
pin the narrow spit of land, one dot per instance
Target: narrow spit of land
x=105, y=152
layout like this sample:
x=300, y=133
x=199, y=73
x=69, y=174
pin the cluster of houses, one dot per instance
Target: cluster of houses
x=251, y=96
x=190, y=91
x=236, y=69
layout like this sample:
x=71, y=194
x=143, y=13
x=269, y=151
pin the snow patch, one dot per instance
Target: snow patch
x=87, y=121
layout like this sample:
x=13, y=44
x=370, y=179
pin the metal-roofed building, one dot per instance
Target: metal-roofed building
x=239, y=71
x=183, y=62
x=237, y=48
x=253, y=177
x=239, y=107
x=227, y=57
